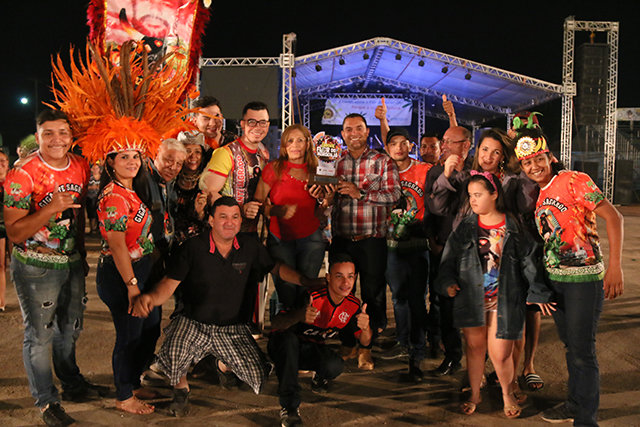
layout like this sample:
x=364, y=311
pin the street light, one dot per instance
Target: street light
x=24, y=100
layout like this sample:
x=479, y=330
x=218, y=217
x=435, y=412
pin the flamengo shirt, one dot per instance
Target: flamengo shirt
x=376, y=175
x=331, y=317
x=288, y=190
x=30, y=187
x=567, y=224
x=490, y=243
x=120, y=209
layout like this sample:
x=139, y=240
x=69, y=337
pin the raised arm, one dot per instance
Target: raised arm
x=381, y=114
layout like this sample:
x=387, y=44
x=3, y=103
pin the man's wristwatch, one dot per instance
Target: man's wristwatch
x=132, y=282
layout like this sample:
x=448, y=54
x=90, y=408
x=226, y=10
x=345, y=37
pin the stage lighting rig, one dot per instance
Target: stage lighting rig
x=365, y=56
x=421, y=63
x=398, y=57
x=318, y=67
x=445, y=69
x=467, y=76
x=341, y=61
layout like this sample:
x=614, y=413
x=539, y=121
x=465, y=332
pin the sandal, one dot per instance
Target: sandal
x=144, y=393
x=468, y=407
x=533, y=382
x=133, y=405
x=511, y=411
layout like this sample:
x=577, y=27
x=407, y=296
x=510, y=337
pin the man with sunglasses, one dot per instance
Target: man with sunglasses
x=234, y=169
x=444, y=195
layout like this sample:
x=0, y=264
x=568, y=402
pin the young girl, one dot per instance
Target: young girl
x=488, y=265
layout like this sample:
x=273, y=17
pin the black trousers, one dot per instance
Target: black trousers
x=290, y=354
x=450, y=336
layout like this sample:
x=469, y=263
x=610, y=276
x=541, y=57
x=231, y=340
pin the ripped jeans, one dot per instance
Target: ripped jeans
x=52, y=304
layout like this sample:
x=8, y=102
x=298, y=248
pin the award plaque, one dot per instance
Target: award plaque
x=328, y=151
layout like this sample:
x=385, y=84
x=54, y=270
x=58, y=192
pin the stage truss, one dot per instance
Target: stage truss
x=289, y=63
x=612, y=29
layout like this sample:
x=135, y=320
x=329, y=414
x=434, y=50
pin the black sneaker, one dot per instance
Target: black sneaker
x=290, y=417
x=55, y=416
x=447, y=367
x=85, y=392
x=179, y=406
x=397, y=351
x=228, y=380
x=319, y=385
x=415, y=373
x=558, y=414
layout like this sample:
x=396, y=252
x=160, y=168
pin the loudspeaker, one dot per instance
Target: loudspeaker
x=623, y=183
x=591, y=73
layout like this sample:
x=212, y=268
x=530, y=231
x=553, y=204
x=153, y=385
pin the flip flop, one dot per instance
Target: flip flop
x=533, y=382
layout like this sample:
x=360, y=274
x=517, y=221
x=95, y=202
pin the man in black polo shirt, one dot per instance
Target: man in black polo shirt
x=218, y=273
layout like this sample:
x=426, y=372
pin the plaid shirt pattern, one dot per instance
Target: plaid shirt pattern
x=376, y=175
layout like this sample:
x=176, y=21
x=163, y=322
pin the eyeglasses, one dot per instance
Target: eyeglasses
x=448, y=141
x=253, y=123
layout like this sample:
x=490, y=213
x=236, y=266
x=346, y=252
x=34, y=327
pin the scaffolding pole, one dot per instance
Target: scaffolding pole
x=612, y=29
x=287, y=62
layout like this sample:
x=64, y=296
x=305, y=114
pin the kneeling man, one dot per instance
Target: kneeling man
x=218, y=273
x=298, y=340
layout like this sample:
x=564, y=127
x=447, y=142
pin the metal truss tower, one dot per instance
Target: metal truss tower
x=287, y=62
x=612, y=29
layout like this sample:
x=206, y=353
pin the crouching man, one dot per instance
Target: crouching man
x=298, y=340
x=218, y=273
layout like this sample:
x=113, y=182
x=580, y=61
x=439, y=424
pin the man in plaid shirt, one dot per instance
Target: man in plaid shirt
x=368, y=187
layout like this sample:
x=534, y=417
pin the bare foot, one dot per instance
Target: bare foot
x=134, y=406
x=145, y=393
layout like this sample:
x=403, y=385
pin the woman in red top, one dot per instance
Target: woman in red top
x=123, y=269
x=4, y=168
x=295, y=231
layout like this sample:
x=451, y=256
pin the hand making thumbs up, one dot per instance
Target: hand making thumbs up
x=381, y=110
x=311, y=313
x=363, y=318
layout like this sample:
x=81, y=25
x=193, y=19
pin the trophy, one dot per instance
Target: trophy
x=328, y=150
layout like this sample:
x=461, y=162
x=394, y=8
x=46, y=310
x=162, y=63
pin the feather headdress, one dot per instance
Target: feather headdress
x=125, y=106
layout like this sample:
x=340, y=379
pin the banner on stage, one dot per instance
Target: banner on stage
x=399, y=111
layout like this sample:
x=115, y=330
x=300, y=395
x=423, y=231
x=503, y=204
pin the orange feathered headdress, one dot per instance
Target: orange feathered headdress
x=128, y=106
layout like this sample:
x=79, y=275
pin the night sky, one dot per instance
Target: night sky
x=523, y=37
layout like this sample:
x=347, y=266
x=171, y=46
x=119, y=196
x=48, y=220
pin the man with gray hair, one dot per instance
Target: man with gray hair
x=162, y=172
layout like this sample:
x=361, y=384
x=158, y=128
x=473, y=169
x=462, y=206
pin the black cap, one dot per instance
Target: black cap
x=395, y=132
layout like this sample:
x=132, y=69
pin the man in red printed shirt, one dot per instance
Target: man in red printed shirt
x=44, y=220
x=298, y=339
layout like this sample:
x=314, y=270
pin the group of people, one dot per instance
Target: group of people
x=182, y=218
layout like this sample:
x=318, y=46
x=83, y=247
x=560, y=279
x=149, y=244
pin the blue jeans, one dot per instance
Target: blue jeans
x=407, y=275
x=52, y=304
x=578, y=311
x=135, y=337
x=304, y=255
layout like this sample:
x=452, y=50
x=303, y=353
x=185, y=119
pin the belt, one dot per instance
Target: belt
x=359, y=237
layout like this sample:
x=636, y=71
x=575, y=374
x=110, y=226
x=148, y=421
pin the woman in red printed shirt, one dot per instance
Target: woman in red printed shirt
x=295, y=232
x=123, y=269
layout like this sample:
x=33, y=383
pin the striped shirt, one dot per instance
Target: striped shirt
x=376, y=175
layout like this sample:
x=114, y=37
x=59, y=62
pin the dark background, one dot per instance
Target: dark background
x=523, y=37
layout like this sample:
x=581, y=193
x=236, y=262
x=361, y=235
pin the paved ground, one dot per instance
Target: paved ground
x=356, y=398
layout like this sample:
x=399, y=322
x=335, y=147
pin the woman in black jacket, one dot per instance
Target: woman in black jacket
x=489, y=266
